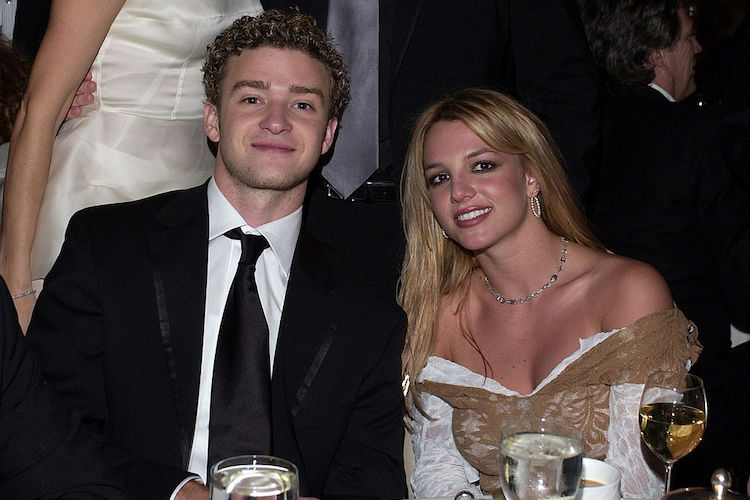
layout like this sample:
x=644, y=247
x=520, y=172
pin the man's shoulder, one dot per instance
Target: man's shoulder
x=346, y=278
x=642, y=101
x=646, y=116
x=131, y=213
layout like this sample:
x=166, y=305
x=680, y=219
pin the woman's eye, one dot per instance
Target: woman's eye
x=436, y=179
x=482, y=166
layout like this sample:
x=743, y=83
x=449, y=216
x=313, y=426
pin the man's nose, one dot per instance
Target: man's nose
x=276, y=119
x=697, y=46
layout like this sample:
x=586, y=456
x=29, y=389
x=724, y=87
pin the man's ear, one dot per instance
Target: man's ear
x=211, y=121
x=654, y=60
x=330, y=133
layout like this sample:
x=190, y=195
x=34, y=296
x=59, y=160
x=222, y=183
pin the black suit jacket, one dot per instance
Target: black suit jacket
x=44, y=453
x=119, y=327
x=666, y=197
x=30, y=24
x=534, y=50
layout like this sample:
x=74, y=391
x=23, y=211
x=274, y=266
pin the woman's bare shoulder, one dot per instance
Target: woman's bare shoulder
x=629, y=290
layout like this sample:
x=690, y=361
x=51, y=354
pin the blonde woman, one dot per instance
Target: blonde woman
x=514, y=308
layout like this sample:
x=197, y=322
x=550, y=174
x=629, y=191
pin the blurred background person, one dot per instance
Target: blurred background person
x=145, y=57
x=664, y=194
x=514, y=309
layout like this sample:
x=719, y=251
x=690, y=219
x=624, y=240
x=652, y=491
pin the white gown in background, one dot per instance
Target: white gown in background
x=144, y=133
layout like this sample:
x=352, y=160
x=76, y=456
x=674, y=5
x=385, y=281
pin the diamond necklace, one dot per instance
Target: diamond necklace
x=503, y=300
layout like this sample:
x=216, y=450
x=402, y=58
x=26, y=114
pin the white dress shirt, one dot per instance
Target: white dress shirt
x=271, y=276
x=663, y=92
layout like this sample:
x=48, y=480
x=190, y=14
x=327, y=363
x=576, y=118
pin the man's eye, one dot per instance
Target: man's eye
x=251, y=100
x=303, y=105
x=436, y=179
x=481, y=166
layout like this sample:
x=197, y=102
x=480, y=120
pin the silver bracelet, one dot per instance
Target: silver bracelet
x=23, y=294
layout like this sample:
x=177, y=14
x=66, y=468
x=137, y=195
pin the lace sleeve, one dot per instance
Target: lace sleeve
x=439, y=468
x=639, y=481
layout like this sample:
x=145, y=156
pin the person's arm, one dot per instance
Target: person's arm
x=68, y=334
x=439, y=468
x=625, y=451
x=638, y=291
x=44, y=452
x=74, y=35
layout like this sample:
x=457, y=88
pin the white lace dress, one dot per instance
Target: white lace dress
x=609, y=422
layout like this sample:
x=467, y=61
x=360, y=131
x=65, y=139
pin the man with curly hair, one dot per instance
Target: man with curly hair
x=135, y=321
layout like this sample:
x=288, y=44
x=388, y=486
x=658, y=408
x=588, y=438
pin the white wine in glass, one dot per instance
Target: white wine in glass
x=672, y=416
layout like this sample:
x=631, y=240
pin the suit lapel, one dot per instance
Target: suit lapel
x=179, y=256
x=309, y=322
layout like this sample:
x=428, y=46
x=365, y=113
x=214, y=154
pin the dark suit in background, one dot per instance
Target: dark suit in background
x=44, y=453
x=725, y=83
x=119, y=329
x=532, y=49
x=31, y=23
x=665, y=196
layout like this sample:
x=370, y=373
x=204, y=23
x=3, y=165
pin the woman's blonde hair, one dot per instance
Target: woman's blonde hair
x=435, y=266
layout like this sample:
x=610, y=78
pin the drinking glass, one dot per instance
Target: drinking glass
x=253, y=477
x=540, y=458
x=672, y=416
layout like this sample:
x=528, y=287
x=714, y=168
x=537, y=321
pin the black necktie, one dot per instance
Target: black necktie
x=241, y=389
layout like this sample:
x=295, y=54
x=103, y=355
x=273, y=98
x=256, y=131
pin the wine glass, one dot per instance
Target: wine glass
x=672, y=416
x=253, y=477
x=540, y=459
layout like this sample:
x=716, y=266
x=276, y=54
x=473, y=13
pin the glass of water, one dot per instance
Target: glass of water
x=253, y=477
x=540, y=459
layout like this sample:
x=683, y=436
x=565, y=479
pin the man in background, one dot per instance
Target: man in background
x=664, y=195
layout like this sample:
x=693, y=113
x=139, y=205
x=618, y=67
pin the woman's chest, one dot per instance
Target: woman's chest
x=518, y=350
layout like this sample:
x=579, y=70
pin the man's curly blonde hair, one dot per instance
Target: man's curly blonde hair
x=287, y=29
